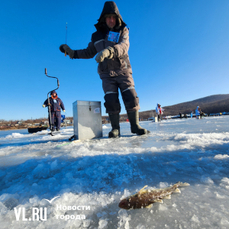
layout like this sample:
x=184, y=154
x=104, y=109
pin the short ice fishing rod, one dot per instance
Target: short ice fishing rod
x=61, y=47
x=49, y=108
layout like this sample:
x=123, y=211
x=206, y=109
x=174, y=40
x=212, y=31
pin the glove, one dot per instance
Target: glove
x=63, y=110
x=68, y=50
x=43, y=105
x=105, y=53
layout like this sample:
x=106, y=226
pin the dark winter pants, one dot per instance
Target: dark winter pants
x=125, y=83
x=55, y=119
x=159, y=117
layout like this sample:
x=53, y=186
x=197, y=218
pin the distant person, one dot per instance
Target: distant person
x=110, y=44
x=199, y=113
x=159, y=112
x=56, y=105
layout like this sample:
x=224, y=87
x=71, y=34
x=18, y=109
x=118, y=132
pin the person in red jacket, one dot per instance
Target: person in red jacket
x=56, y=105
x=159, y=112
x=110, y=44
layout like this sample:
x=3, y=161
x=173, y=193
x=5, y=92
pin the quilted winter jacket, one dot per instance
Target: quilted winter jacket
x=120, y=63
x=56, y=104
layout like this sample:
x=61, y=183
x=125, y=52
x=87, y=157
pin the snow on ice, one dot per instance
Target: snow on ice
x=48, y=182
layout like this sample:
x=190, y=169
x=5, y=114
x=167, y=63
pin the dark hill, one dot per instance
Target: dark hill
x=209, y=104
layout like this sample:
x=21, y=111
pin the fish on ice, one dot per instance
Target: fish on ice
x=146, y=197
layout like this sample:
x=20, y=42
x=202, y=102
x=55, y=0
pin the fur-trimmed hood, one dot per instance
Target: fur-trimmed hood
x=110, y=7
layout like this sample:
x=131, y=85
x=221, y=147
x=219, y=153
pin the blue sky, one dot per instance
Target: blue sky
x=179, y=51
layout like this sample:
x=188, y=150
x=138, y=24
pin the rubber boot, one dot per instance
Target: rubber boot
x=115, y=132
x=134, y=123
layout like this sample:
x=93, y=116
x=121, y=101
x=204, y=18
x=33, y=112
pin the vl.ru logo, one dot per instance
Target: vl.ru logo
x=36, y=214
x=50, y=201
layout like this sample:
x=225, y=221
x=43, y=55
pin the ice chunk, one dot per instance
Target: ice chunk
x=221, y=157
x=224, y=222
x=102, y=223
x=54, y=165
x=86, y=223
x=162, y=207
x=11, y=203
x=195, y=219
x=207, y=180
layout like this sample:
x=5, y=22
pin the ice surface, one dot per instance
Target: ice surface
x=81, y=184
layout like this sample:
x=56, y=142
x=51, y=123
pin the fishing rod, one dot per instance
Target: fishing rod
x=66, y=34
x=49, y=105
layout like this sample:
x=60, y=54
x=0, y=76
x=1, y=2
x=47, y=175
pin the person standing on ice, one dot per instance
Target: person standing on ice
x=159, y=112
x=56, y=106
x=111, y=43
x=199, y=113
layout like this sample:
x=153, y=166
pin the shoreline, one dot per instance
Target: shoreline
x=21, y=128
x=13, y=128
